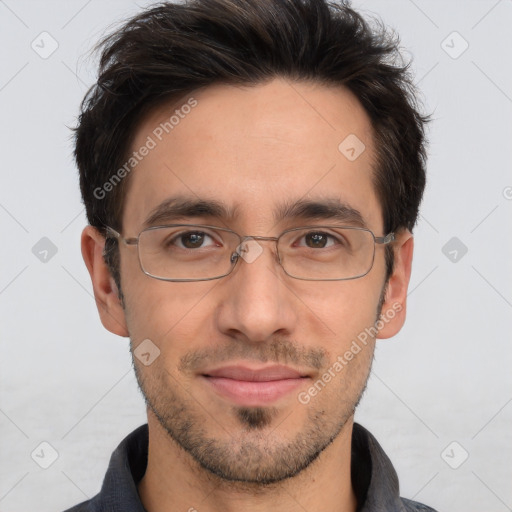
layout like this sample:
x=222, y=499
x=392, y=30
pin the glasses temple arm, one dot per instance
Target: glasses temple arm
x=390, y=237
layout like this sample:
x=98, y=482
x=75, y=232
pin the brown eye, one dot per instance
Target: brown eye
x=192, y=240
x=316, y=240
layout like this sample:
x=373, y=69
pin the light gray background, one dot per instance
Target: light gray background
x=446, y=377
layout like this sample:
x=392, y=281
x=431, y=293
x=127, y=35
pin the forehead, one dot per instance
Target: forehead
x=257, y=150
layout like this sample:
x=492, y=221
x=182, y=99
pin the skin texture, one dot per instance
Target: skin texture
x=253, y=147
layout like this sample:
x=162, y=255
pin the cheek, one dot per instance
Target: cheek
x=351, y=315
x=175, y=316
x=341, y=310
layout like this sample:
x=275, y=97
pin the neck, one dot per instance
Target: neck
x=174, y=481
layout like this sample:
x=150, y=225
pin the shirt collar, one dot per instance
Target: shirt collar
x=374, y=478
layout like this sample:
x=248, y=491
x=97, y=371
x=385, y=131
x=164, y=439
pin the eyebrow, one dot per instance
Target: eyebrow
x=182, y=208
x=324, y=209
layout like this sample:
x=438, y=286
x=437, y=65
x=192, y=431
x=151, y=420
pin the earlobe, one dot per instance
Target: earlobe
x=394, y=307
x=105, y=290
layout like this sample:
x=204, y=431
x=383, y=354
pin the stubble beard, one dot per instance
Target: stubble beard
x=253, y=457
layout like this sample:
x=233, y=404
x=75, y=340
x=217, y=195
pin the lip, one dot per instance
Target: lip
x=248, y=386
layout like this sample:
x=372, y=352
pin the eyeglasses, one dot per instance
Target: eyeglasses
x=193, y=252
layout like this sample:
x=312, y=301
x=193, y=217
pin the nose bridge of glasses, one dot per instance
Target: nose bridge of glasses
x=249, y=248
x=263, y=238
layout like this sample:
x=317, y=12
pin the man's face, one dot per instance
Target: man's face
x=253, y=148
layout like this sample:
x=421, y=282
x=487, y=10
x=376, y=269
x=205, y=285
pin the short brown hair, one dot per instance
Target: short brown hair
x=171, y=49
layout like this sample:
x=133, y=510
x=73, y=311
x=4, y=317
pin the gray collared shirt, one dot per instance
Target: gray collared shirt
x=374, y=479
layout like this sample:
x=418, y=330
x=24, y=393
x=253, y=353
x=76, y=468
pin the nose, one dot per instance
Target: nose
x=257, y=302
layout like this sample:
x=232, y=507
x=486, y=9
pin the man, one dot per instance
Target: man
x=252, y=171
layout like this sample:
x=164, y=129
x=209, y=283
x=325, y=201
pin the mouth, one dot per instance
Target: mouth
x=249, y=386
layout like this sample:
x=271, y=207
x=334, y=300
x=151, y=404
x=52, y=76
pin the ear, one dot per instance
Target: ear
x=394, y=307
x=106, y=293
